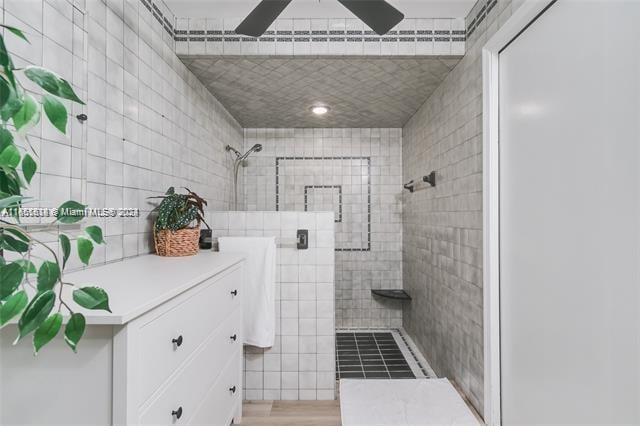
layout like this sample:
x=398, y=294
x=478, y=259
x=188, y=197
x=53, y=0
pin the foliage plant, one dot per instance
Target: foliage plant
x=31, y=287
x=178, y=211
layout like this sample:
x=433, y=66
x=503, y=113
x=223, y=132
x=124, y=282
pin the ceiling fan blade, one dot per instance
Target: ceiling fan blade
x=261, y=17
x=379, y=15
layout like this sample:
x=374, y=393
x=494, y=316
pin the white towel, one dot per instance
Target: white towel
x=259, y=308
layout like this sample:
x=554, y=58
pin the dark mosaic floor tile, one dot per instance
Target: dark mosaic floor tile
x=402, y=375
x=373, y=362
x=377, y=375
x=352, y=375
x=348, y=358
x=391, y=351
x=350, y=367
x=397, y=366
x=373, y=368
x=370, y=356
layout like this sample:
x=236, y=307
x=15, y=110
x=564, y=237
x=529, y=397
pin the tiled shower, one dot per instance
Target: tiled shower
x=357, y=175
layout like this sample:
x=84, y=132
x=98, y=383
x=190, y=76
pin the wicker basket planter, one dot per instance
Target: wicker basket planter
x=172, y=234
x=183, y=242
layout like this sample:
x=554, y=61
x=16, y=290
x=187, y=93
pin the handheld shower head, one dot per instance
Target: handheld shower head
x=240, y=161
x=241, y=157
x=256, y=148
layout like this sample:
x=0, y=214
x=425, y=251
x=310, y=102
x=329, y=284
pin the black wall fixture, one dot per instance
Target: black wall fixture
x=430, y=178
x=409, y=186
x=302, y=239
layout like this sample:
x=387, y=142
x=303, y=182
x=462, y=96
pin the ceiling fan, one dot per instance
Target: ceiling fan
x=379, y=15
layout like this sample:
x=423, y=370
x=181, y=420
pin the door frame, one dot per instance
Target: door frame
x=521, y=19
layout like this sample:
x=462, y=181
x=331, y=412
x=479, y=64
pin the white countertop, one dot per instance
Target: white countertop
x=140, y=284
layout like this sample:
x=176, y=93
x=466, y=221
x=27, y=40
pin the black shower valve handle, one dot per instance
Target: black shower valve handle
x=430, y=178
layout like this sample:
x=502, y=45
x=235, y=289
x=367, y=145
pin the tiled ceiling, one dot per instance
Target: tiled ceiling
x=273, y=92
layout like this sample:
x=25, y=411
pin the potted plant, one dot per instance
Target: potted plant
x=174, y=231
x=32, y=271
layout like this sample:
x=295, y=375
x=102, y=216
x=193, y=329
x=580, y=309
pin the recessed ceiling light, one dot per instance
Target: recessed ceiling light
x=320, y=109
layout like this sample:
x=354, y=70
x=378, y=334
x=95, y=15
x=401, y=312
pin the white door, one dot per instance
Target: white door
x=570, y=216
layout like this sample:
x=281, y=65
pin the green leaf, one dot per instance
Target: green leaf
x=11, y=276
x=95, y=233
x=10, y=157
x=35, y=313
x=47, y=331
x=74, y=330
x=11, y=107
x=28, y=266
x=13, y=244
x=5, y=60
x=6, y=138
x=48, y=275
x=93, y=298
x=5, y=92
x=65, y=244
x=9, y=201
x=13, y=306
x=85, y=249
x=51, y=82
x=16, y=32
x=29, y=167
x=70, y=212
x=19, y=233
x=27, y=116
x=10, y=181
x=56, y=112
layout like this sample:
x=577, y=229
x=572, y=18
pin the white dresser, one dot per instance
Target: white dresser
x=169, y=354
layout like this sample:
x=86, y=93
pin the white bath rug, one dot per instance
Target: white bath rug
x=427, y=402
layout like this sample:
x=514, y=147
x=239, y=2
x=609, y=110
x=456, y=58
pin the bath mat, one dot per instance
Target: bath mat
x=424, y=402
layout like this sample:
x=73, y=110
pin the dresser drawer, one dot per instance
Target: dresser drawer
x=168, y=338
x=219, y=405
x=188, y=387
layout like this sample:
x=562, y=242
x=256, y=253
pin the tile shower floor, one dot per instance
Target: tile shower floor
x=374, y=355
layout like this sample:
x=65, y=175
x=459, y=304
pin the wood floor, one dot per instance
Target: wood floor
x=290, y=413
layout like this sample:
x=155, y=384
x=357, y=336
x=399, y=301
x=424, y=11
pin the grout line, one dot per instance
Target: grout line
x=386, y=367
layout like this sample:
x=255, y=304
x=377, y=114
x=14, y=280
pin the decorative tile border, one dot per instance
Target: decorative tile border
x=338, y=187
x=413, y=36
x=162, y=14
x=300, y=37
x=478, y=14
x=367, y=159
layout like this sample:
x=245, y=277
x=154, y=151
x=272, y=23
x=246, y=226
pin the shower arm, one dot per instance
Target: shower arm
x=232, y=149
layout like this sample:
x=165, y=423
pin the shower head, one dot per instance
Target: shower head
x=241, y=157
x=256, y=148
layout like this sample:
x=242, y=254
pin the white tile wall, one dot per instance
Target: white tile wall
x=442, y=226
x=339, y=157
x=151, y=123
x=301, y=364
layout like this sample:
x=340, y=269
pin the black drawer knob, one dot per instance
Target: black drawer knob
x=232, y=389
x=234, y=337
x=177, y=341
x=177, y=413
x=234, y=293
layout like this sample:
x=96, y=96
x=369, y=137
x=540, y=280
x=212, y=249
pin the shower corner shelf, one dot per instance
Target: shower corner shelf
x=392, y=294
